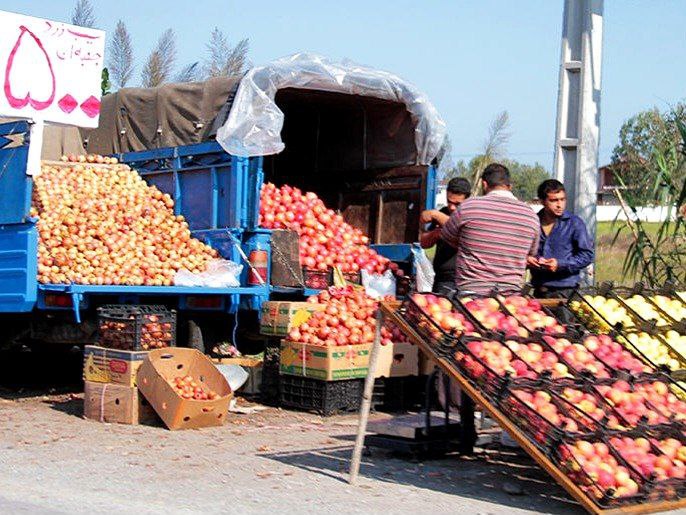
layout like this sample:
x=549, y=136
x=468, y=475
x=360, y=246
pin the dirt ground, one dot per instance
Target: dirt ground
x=52, y=460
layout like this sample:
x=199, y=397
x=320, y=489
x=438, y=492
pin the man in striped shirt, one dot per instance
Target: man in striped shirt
x=494, y=236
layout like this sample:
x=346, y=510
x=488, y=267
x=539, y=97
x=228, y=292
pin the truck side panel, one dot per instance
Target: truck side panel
x=18, y=267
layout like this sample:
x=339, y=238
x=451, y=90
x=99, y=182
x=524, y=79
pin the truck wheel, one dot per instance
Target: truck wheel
x=195, y=340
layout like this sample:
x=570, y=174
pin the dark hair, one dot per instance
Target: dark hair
x=459, y=186
x=549, y=186
x=496, y=174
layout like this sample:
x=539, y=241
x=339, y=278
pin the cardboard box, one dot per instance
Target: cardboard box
x=326, y=363
x=251, y=365
x=103, y=365
x=279, y=317
x=162, y=366
x=426, y=364
x=116, y=403
x=399, y=359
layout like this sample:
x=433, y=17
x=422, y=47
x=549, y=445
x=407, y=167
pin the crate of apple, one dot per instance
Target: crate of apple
x=657, y=348
x=614, y=355
x=136, y=327
x=188, y=388
x=595, y=468
x=545, y=417
x=491, y=364
x=436, y=318
x=659, y=462
x=638, y=404
x=531, y=315
x=578, y=358
x=664, y=397
x=595, y=407
x=490, y=316
x=539, y=358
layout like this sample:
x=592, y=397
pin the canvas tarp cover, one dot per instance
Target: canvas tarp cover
x=134, y=119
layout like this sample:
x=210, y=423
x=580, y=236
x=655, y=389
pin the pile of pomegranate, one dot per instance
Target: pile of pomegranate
x=188, y=388
x=326, y=240
x=100, y=223
x=155, y=333
x=347, y=320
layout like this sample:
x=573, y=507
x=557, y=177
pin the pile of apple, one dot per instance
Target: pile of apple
x=610, y=310
x=497, y=357
x=588, y=460
x=640, y=454
x=542, y=403
x=538, y=358
x=326, y=240
x=615, y=355
x=578, y=357
x=592, y=406
x=443, y=313
x=645, y=309
x=100, y=223
x=654, y=401
x=530, y=313
x=188, y=388
x=653, y=348
x=487, y=311
x=155, y=333
x=673, y=307
x=347, y=320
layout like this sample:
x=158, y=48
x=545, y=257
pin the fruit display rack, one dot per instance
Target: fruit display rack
x=655, y=315
x=595, y=498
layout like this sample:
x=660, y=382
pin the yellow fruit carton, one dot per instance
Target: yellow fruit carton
x=279, y=317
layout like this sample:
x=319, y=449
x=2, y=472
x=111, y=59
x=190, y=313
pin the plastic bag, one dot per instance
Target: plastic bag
x=254, y=125
x=425, y=274
x=220, y=273
x=378, y=285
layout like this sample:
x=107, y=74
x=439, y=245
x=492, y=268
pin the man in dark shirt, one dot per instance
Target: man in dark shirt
x=565, y=247
x=444, y=259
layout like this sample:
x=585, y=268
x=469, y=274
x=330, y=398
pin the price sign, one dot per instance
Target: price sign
x=50, y=71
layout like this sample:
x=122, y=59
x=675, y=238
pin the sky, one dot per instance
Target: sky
x=473, y=59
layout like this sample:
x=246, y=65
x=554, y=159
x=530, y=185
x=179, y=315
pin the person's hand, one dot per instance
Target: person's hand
x=550, y=264
x=427, y=216
x=533, y=262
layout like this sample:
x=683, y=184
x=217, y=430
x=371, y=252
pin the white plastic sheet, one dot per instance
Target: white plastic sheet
x=378, y=285
x=220, y=273
x=425, y=271
x=254, y=125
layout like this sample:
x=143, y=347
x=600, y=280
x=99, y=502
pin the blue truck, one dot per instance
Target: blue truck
x=219, y=196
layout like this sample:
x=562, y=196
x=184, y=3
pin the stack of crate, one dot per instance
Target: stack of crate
x=126, y=334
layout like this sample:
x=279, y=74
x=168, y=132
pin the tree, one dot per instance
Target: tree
x=105, y=84
x=189, y=73
x=222, y=59
x=526, y=178
x=83, y=14
x=120, y=61
x=160, y=63
x=644, y=140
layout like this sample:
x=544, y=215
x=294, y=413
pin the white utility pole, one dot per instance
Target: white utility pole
x=577, y=135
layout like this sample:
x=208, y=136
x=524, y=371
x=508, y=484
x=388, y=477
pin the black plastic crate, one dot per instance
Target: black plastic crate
x=443, y=339
x=317, y=279
x=562, y=420
x=563, y=455
x=586, y=399
x=657, y=489
x=403, y=286
x=136, y=328
x=324, y=397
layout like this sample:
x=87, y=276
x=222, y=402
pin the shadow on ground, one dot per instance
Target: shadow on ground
x=487, y=476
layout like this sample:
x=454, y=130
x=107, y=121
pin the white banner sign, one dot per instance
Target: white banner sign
x=50, y=70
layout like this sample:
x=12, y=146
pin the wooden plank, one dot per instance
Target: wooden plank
x=389, y=310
